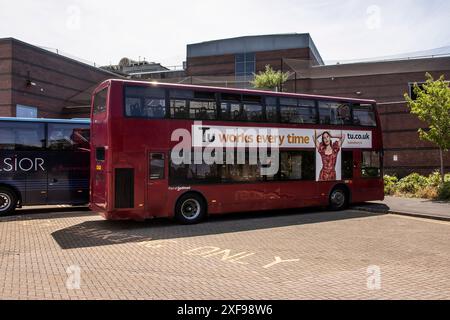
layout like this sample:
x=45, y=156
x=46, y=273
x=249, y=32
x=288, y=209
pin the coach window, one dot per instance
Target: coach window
x=297, y=165
x=364, y=115
x=22, y=136
x=157, y=166
x=371, y=164
x=68, y=137
x=145, y=102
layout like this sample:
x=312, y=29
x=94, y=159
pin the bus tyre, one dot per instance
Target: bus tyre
x=8, y=201
x=338, y=199
x=190, y=209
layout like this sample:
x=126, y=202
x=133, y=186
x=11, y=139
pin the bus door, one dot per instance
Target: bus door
x=368, y=173
x=68, y=164
x=157, y=182
x=297, y=175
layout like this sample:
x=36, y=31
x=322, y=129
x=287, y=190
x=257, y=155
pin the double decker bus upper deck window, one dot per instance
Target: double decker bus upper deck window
x=364, y=115
x=271, y=109
x=298, y=111
x=334, y=113
x=187, y=104
x=100, y=101
x=145, y=102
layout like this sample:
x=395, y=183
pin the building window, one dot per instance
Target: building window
x=245, y=68
x=26, y=111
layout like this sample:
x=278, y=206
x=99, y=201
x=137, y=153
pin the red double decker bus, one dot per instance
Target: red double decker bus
x=170, y=150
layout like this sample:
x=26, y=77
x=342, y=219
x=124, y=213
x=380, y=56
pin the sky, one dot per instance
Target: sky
x=104, y=31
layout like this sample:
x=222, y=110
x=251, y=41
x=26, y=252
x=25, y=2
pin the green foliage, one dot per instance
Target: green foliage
x=418, y=186
x=434, y=179
x=412, y=184
x=270, y=79
x=433, y=107
x=390, y=183
x=444, y=191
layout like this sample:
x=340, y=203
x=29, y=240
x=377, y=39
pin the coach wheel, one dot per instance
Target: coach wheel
x=338, y=199
x=190, y=209
x=8, y=201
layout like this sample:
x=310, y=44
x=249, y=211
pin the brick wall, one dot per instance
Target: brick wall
x=60, y=82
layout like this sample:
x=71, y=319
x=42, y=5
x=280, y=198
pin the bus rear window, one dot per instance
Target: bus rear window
x=100, y=101
x=364, y=115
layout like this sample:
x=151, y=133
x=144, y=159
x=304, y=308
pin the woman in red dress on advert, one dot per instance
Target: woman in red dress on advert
x=329, y=152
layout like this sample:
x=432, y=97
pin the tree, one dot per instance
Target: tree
x=270, y=79
x=432, y=106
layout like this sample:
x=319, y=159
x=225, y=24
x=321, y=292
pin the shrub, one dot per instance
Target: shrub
x=434, y=179
x=390, y=183
x=444, y=191
x=447, y=177
x=429, y=192
x=412, y=184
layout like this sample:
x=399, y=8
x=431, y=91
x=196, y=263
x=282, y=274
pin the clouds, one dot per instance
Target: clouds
x=104, y=31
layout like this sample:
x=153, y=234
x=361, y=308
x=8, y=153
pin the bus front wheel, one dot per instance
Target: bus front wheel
x=339, y=199
x=8, y=201
x=190, y=209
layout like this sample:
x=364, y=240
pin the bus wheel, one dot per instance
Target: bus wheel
x=338, y=199
x=190, y=209
x=8, y=201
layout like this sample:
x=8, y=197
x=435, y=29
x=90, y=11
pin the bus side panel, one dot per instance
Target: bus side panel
x=26, y=172
x=10, y=178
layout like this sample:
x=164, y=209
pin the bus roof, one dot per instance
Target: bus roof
x=241, y=91
x=79, y=121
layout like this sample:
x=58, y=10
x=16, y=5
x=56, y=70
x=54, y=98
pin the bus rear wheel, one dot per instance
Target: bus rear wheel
x=8, y=201
x=338, y=199
x=190, y=209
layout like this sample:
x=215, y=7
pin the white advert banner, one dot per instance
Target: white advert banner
x=229, y=137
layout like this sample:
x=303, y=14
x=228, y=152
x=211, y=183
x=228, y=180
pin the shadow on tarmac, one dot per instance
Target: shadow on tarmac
x=103, y=233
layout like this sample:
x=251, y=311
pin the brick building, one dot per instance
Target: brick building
x=232, y=62
x=38, y=83
x=33, y=80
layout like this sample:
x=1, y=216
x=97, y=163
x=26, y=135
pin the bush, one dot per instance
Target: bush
x=390, y=185
x=444, y=191
x=412, y=184
x=418, y=186
x=447, y=177
x=434, y=179
x=429, y=192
